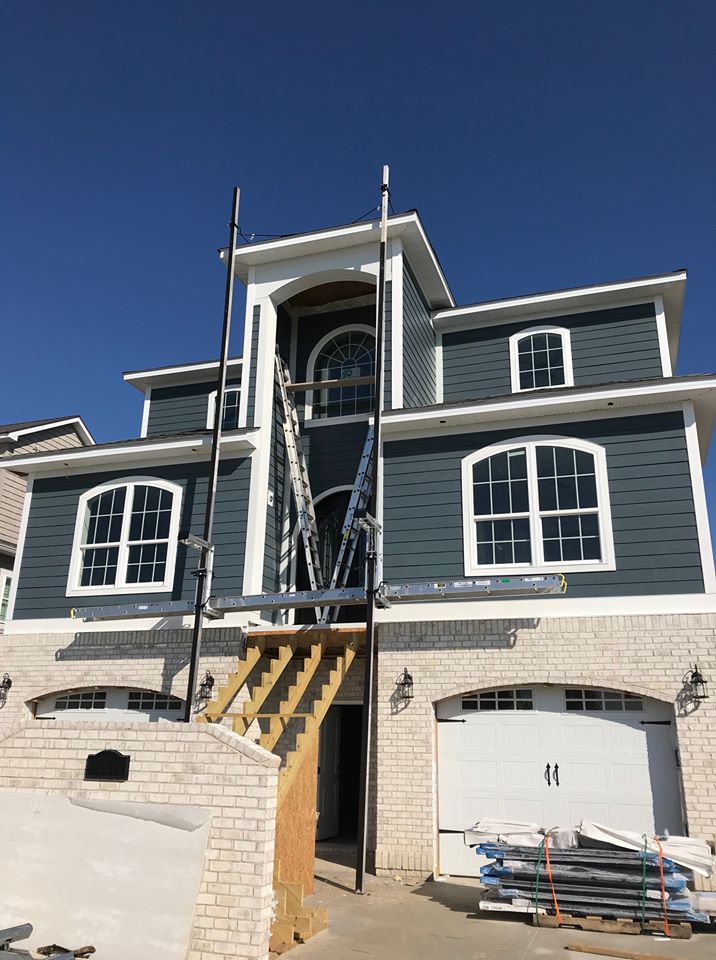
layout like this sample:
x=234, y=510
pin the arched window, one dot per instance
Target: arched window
x=109, y=703
x=541, y=357
x=538, y=505
x=126, y=537
x=343, y=355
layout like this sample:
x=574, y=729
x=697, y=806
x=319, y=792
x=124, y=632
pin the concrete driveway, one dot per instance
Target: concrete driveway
x=437, y=921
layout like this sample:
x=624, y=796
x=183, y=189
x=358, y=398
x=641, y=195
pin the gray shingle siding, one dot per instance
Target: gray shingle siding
x=655, y=535
x=181, y=407
x=51, y=525
x=619, y=344
x=419, y=377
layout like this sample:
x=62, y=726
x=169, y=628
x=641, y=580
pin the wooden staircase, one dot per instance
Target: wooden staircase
x=307, y=648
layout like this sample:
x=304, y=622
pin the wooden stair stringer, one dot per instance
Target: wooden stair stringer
x=294, y=921
x=226, y=694
x=312, y=723
x=277, y=724
x=260, y=691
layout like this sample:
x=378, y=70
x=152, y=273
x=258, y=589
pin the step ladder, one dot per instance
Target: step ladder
x=351, y=531
x=299, y=477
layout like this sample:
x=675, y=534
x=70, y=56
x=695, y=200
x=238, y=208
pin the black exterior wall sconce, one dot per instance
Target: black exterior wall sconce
x=697, y=686
x=5, y=685
x=404, y=686
x=206, y=686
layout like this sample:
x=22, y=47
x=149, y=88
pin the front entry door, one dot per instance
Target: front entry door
x=329, y=775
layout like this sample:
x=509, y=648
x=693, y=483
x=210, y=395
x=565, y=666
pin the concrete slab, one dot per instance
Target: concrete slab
x=394, y=920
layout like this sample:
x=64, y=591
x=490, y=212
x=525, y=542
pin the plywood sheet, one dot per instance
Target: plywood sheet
x=296, y=825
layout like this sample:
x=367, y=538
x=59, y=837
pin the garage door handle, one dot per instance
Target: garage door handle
x=547, y=776
x=556, y=774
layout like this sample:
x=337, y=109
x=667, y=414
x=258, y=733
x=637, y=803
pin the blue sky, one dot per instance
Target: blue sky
x=545, y=145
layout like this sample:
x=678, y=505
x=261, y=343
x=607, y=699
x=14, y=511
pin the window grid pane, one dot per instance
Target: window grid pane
x=147, y=700
x=540, y=360
x=592, y=700
x=89, y=700
x=345, y=357
x=566, y=481
x=515, y=699
x=230, y=419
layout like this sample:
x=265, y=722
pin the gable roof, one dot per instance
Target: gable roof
x=13, y=431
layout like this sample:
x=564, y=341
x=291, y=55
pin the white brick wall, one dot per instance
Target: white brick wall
x=642, y=654
x=192, y=764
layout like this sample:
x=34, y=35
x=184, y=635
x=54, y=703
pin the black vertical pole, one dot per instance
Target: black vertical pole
x=372, y=555
x=206, y=557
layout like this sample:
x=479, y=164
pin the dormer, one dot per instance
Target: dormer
x=183, y=396
x=584, y=336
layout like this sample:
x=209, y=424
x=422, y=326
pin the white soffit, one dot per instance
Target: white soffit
x=462, y=417
x=670, y=286
x=200, y=372
x=114, y=456
x=407, y=226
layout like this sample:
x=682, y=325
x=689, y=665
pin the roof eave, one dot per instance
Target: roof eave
x=181, y=373
x=60, y=462
x=407, y=226
x=76, y=422
x=464, y=416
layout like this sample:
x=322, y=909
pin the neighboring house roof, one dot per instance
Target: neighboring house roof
x=13, y=431
x=195, y=372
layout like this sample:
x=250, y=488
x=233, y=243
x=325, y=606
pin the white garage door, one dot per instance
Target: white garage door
x=553, y=756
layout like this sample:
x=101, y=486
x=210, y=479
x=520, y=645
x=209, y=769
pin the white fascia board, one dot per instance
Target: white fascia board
x=110, y=458
x=433, y=420
x=406, y=226
x=75, y=422
x=670, y=287
x=182, y=373
x=699, y=494
x=541, y=608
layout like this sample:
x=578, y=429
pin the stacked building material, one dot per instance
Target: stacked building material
x=590, y=882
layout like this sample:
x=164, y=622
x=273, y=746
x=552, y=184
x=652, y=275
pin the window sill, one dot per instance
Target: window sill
x=521, y=570
x=327, y=421
x=130, y=589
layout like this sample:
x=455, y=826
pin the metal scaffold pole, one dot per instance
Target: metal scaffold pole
x=206, y=557
x=372, y=553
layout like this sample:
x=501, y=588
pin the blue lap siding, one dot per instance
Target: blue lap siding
x=619, y=344
x=181, y=407
x=419, y=377
x=51, y=524
x=655, y=535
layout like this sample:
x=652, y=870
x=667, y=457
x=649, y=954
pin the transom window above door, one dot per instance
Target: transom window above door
x=538, y=505
x=348, y=354
x=541, y=357
x=125, y=538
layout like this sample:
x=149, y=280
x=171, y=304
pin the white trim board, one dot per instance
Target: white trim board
x=699, y=494
x=181, y=373
x=75, y=422
x=17, y=566
x=145, y=411
x=397, y=325
x=80, y=460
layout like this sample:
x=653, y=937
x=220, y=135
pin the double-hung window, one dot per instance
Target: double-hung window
x=538, y=505
x=126, y=537
x=230, y=420
x=541, y=357
x=5, y=588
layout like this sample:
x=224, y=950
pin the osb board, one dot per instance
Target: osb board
x=296, y=825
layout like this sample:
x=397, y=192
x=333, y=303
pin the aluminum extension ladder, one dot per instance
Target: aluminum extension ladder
x=351, y=532
x=299, y=477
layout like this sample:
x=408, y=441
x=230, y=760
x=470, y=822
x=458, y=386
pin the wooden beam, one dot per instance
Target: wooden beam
x=226, y=694
x=293, y=698
x=263, y=688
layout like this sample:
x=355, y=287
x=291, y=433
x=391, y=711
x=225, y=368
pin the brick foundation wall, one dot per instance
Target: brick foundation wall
x=190, y=764
x=646, y=655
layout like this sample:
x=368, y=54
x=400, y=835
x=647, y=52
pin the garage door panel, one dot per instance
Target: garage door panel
x=519, y=774
x=477, y=773
x=521, y=736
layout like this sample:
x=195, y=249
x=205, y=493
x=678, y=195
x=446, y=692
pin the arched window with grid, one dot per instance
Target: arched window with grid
x=348, y=354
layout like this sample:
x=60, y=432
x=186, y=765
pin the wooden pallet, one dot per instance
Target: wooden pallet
x=677, y=931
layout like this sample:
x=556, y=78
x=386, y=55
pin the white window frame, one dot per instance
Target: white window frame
x=5, y=577
x=311, y=372
x=74, y=589
x=565, y=337
x=538, y=564
x=211, y=405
